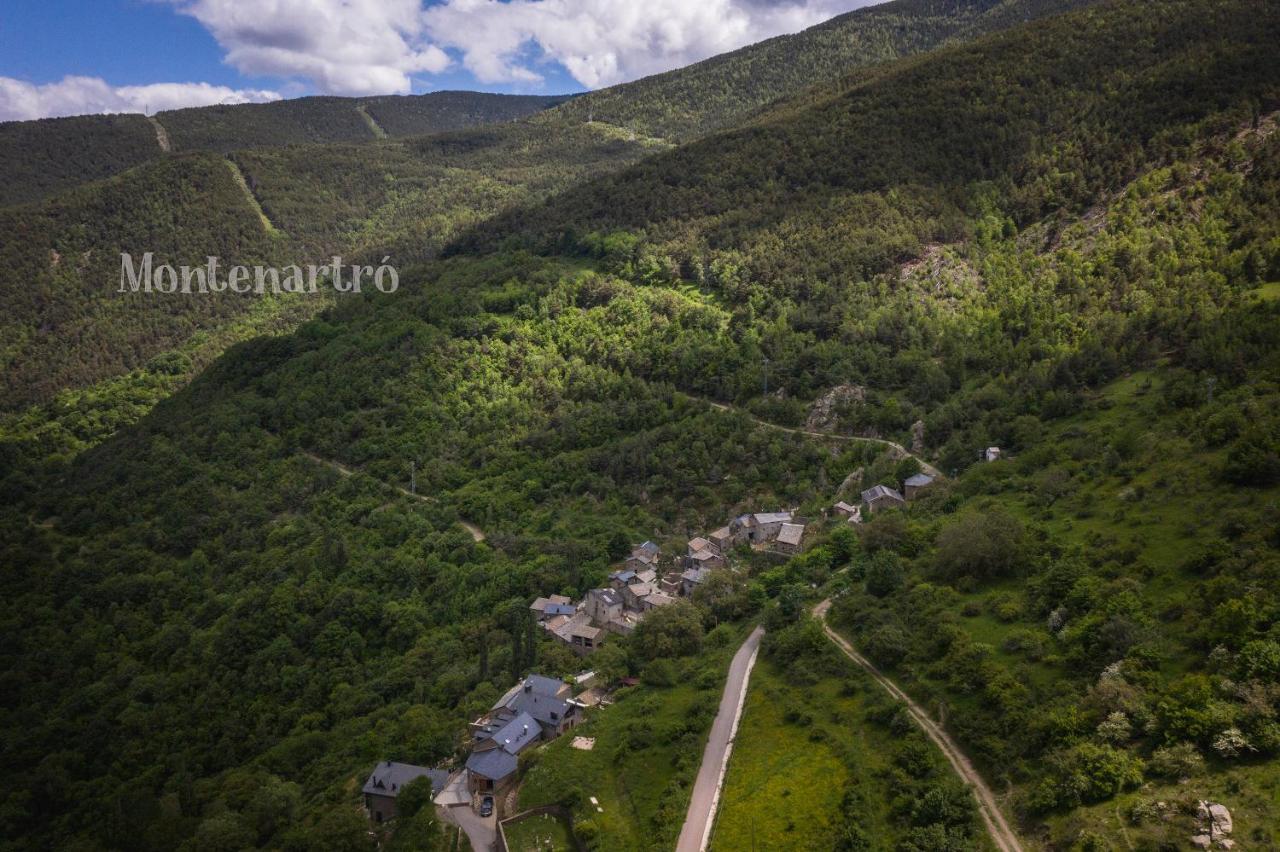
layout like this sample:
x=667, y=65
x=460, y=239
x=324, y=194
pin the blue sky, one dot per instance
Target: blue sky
x=63, y=57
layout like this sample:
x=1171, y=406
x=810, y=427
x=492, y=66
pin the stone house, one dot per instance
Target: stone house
x=388, y=779
x=881, y=497
x=722, y=540
x=789, y=538
x=555, y=603
x=644, y=556
x=765, y=526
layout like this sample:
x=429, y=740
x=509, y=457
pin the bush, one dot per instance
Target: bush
x=982, y=545
x=884, y=574
x=1177, y=761
x=888, y=645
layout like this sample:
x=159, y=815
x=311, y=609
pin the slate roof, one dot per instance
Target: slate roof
x=791, y=533
x=388, y=778
x=772, y=517
x=626, y=575
x=648, y=548
x=543, y=685
x=520, y=732
x=610, y=597
x=547, y=710
x=494, y=764
x=559, y=609
x=879, y=491
x=920, y=480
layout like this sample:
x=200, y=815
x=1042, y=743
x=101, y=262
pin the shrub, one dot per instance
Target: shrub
x=982, y=545
x=1180, y=760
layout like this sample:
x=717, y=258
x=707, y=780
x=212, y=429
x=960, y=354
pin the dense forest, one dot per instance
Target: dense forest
x=41, y=158
x=1062, y=239
x=723, y=91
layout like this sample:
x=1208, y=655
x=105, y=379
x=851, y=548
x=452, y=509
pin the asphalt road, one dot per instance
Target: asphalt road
x=715, y=757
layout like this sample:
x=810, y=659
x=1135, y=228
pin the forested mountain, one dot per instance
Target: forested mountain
x=68, y=327
x=39, y=158
x=401, y=198
x=1062, y=239
x=690, y=102
x=331, y=119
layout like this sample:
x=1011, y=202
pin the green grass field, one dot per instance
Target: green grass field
x=539, y=832
x=786, y=778
x=648, y=746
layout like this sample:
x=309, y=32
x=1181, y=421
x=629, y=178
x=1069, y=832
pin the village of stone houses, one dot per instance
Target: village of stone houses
x=479, y=795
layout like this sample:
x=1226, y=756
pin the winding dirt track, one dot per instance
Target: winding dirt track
x=477, y=534
x=893, y=445
x=1001, y=834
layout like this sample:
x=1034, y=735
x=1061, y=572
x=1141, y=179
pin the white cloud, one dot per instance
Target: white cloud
x=343, y=47
x=20, y=100
x=603, y=42
x=365, y=47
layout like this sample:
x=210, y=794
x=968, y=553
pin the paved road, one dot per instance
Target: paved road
x=1001, y=834
x=482, y=832
x=715, y=757
x=902, y=451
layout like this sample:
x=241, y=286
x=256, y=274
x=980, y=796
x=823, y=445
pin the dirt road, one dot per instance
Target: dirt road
x=715, y=757
x=902, y=451
x=1001, y=834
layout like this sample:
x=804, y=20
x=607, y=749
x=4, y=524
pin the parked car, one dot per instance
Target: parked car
x=486, y=806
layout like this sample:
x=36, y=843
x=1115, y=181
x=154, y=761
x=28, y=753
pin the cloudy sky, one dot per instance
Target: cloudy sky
x=68, y=57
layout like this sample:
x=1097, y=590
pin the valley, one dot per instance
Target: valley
x=981, y=296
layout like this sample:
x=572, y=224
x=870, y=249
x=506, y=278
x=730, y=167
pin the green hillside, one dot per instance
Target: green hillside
x=720, y=92
x=65, y=323
x=331, y=119
x=1062, y=239
x=40, y=158
x=68, y=328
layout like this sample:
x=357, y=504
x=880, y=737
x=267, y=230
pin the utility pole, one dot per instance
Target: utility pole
x=1211, y=381
x=766, y=376
x=413, y=476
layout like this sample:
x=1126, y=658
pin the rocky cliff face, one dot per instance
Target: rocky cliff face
x=825, y=411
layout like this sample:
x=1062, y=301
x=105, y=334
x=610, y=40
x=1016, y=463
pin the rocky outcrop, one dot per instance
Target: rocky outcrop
x=825, y=411
x=1214, y=827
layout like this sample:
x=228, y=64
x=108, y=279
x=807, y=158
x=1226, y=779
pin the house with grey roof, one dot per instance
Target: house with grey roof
x=915, y=484
x=722, y=540
x=603, y=605
x=578, y=633
x=765, y=526
x=706, y=558
x=881, y=497
x=493, y=762
x=789, y=538
x=691, y=579
x=544, y=608
x=644, y=556
x=388, y=779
